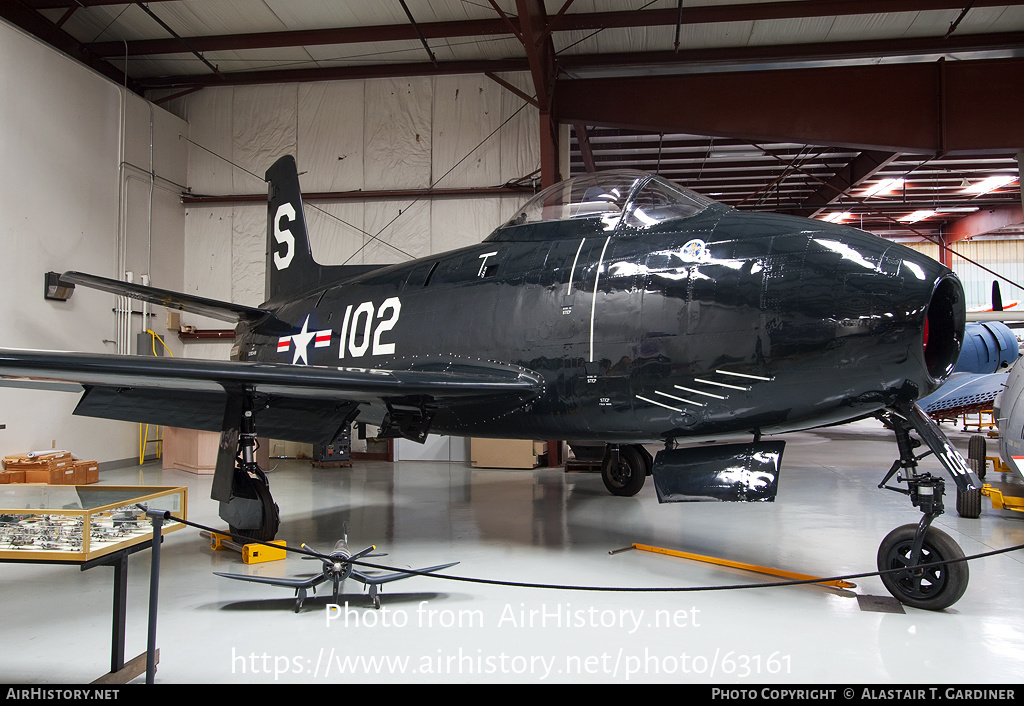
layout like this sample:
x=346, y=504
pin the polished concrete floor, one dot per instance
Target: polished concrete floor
x=543, y=527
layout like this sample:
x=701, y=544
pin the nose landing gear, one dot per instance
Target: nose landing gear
x=922, y=566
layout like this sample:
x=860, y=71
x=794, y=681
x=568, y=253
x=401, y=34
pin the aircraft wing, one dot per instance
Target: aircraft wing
x=387, y=578
x=964, y=393
x=292, y=402
x=295, y=583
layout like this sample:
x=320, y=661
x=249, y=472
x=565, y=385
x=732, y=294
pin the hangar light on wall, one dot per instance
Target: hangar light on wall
x=57, y=290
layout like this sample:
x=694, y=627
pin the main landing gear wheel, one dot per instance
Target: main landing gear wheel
x=976, y=453
x=623, y=471
x=931, y=587
x=968, y=502
x=270, y=517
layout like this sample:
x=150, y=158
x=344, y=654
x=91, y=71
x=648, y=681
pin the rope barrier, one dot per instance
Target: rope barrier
x=611, y=589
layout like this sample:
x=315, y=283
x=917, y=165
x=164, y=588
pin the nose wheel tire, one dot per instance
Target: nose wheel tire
x=931, y=587
x=623, y=473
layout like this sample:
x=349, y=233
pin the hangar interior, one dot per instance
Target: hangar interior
x=136, y=137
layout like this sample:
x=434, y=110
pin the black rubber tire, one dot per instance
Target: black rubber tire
x=271, y=520
x=968, y=503
x=932, y=588
x=627, y=477
x=976, y=455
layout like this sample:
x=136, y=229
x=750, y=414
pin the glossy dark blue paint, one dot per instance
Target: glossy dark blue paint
x=771, y=324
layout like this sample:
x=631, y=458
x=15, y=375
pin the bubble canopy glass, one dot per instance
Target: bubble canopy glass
x=601, y=202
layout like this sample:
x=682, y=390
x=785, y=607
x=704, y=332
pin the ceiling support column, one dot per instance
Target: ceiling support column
x=540, y=53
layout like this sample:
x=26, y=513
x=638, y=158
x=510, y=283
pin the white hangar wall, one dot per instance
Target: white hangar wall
x=75, y=190
x=403, y=133
x=1000, y=254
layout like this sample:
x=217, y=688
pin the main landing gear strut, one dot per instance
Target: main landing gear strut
x=909, y=556
x=239, y=483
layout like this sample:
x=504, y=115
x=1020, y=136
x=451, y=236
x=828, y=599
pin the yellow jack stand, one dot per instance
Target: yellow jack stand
x=1000, y=501
x=251, y=553
x=740, y=565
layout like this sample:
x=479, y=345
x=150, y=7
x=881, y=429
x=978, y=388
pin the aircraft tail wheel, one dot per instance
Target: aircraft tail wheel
x=976, y=454
x=931, y=588
x=624, y=472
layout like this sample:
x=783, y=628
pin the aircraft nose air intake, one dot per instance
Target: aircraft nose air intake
x=943, y=333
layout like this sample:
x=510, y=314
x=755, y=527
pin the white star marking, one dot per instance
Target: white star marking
x=300, y=340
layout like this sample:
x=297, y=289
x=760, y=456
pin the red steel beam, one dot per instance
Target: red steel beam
x=583, y=139
x=62, y=4
x=460, y=192
x=336, y=73
x=698, y=57
x=540, y=54
x=984, y=221
x=863, y=166
x=927, y=47
x=312, y=37
x=930, y=108
x=743, y=12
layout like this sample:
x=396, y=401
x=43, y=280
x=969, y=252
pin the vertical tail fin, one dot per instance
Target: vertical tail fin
x=290, y=265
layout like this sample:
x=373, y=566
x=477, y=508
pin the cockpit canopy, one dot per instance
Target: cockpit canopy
x=601, y=202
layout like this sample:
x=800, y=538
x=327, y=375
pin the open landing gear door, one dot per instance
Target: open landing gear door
x=731, y=473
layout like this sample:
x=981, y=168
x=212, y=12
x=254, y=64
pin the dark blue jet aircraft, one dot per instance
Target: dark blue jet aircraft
x=615, y=307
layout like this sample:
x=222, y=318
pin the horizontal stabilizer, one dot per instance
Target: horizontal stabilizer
x=262, y=319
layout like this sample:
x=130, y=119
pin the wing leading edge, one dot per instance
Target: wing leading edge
x=301, y=403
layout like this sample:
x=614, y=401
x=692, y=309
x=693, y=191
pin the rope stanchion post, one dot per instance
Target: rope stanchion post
x=157, y=517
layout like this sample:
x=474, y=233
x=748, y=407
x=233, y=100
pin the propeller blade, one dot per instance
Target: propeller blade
x=997, y=298
x=359, y=555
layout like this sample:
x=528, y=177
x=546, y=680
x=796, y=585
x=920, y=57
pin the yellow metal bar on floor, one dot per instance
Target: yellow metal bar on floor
x=740, y=565
x=258, y=553
x=251, y=553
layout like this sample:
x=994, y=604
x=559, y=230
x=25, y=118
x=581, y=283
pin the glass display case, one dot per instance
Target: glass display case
x=81, y=522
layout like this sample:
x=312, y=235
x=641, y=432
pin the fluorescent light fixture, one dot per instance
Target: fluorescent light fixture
x=838, y=217
x=740, y=153
x=991, y=184
x=916, y=216
x=886, y=186
x=957, y=209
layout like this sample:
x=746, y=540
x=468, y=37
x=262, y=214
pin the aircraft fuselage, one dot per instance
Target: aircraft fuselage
x=723, y=323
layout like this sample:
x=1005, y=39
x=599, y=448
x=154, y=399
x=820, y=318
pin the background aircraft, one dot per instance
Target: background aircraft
x=615, y=307
x=337, y=567
x=989, y=349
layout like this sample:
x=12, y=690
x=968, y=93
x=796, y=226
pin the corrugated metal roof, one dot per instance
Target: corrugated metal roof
x=264, y=40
